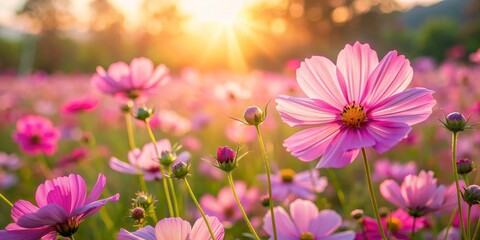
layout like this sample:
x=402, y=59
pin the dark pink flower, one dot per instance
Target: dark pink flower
x=62, y=205
x=135, y=81
x=36, y=135
x=175, y=228
x=358, y=103
x=225, y=155
x=80, y=105
x=74, y=157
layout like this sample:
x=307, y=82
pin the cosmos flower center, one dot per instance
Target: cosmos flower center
x=35, y=139
x=133, y=93
x=229, y=212
x=353, y=115
x=394, y=224
x=287, y=175
x=67, y=228
x=307, y=236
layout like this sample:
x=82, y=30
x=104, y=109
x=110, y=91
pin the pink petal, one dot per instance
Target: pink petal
x=93, y=207
x=355, y=64
x=48, y=215
x=335, y=155
x=391, y=192
x=159, y=77
x=387, y=134
x=146, y=233
x=16, y=232
x=303, y=212
x=119, y=73
x=141, y=69
x=305, y=111
x=347, y=235
x=200, y=230
x=97, y=189
x=309, y=144
x=123, y=167
x=391, y=76
x=325, y=224
x=286, y=229
x=411, y=107
x=22, y=207
x=317, y=78
x=172, y=229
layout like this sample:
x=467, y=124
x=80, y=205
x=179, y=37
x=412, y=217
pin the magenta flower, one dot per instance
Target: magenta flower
x=224, y=206
x=419, y=195
x=80, y=105
x=287, y=185
x=306, y=222
x=134, y=81
x=62, y=206
x=399, y=225
x=145, y=161
x=358, y=103
x=176, y=229
x=225, y=155
x=385, y=169
x=36, y=135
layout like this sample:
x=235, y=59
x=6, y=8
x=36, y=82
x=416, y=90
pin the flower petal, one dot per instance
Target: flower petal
x=355, y=64
x=146, y=233
x=411, y=107
x=317, y=78
x=335, y=155
x=97, y=189
x=310, y=144
x=172, y=229
x=15, y=232
x=93, y=207
x=391, y=191
x=123, y=167
x=48, y=215
x=200, y=230
x=286, y=229
x=141, y=69
x=325, y=224
x=387, y=134
x=347, y=235
x=305, y=111
x=22, y=207
x=303, y=211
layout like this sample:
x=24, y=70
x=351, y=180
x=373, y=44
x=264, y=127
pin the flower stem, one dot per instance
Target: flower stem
x=468, y=221
x=172, y=190
x=454, y=163
x=450, y=221
x=199, y=208
x=476, y=229
x=143, y=185
x=249, y=224
x=6, y=200
x=131, y=137
x=372, y=194
x=267, y=169
x=164, y=180
x=44, y=166
x=338, y=187
x=413, y=227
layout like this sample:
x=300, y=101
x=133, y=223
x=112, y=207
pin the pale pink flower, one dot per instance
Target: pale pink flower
x=175, y=228
x=419, y=195
x=385, y=169
x=287, y=184
x=358, y=103
x=306, y=222
x=224, y=206
x=36, y=135
x=135, y=81
x=475, y=57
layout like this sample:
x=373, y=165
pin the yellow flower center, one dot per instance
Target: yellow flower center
x=394, y=224
x=287, y=175
x=307, y=236
x=353, y=115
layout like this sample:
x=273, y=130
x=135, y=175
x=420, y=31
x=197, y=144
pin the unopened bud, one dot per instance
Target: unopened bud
x=253, y=115
x=144, y=113
x=357, y=214
x=455, y=122
x=464, y=166
x=138, y=214
x=167, y=158
x=471, y=195
x=180, y=169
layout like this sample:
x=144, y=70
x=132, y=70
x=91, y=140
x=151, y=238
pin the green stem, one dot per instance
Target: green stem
x=164, y=180
x=269, y=183
x=72, y=238
x=338, y=187
x=131, y=137
x=476, y=230
x=199, y=208
x=249, y=224
x=153, y=215
x=454, y=163
x=174, y=196
x=372, y=194
x=465, y=178
x=143, y=185
x=413, y=226
x=468, y=221
x=450, y=221
x=44, y=167
x=6, y=200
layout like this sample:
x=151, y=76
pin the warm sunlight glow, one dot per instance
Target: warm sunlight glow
x=212, y=11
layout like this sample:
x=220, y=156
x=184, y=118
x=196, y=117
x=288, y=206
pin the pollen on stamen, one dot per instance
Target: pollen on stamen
x=353, y=115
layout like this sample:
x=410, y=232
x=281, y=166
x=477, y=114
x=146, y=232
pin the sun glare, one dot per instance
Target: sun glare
x=212, y=11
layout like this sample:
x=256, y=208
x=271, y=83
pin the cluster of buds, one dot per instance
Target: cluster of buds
x=227, y=159
x=455, y=122
x=141, y=205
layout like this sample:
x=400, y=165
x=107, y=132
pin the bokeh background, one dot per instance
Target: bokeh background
x=239, y=35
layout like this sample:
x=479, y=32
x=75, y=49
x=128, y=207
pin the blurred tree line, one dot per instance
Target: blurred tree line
x=299, y=28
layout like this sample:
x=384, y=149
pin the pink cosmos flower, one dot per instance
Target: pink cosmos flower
x=36, y=135
x=80, y=105
x=385, y=169
x=358, y=103
x=175, y=228
x=145, y=161
x=306, y=222
x=475, y=57
x=398, y=224
x=62, y=206
x=419, y=195
x=287, y=185
x=239, y=133
x=224, y=206
x=134, y=81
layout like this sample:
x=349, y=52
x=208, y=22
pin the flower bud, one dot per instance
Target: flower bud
x=471, y=195
x=167, y=158
x=143, y=200
x=455, y=122
x=253, y=115
x=265, y=201
x=225, y=155
x=464, y=166
x=144, y=113
x=180, y=169
x=126, y=107
x=138, y=214
x=357, y=214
